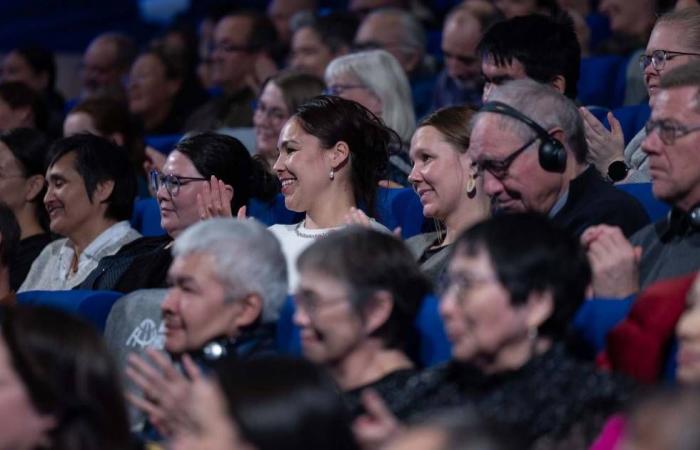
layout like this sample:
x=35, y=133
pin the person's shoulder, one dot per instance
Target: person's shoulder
x=280, y=229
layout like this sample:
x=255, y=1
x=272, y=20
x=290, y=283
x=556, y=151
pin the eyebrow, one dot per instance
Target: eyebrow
x=285, y=144
x=498, y=79
x=55, y=177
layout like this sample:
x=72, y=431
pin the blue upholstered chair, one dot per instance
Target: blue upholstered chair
x=94, y=306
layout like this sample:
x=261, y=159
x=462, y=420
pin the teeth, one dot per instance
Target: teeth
x=287, y=182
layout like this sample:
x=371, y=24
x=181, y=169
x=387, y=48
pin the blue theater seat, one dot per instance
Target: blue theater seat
x=164, y=143
x=602, y=81
x=94, y=306
x=146, y=217
x=655, y=208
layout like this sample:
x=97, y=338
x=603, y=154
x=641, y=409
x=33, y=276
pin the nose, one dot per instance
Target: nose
x=652, y=143
x=279, y=163
x=49, y=194
x=301, y=317
x=170, y=303
x=492, y=185
x=447, y=306
x=415, y=176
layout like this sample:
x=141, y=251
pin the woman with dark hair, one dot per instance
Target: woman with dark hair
x=59, y=389
x=358, y=296
x=266, y=404
x=21, y=107
x=22, y=167
x=36, y=67
x=447, y=183
x=332, y=152
x=513, y=286
x=204, y=171
x=280, y=97
x=110, y=118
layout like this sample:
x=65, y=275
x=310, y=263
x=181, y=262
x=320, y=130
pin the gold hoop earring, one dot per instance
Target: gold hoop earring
x=471, y=186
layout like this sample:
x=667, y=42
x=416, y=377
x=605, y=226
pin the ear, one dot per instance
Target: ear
x=559, y=83
x=249, y=310
x=118, y=138
x=377, y=311
x=339, y=154
x=33, y=185
x=539, y=308
x=103, y=191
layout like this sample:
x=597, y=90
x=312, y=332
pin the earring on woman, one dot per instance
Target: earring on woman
x=331, y=175
x=471, y=186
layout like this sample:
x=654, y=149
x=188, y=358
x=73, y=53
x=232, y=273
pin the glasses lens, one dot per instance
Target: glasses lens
x=658, y=59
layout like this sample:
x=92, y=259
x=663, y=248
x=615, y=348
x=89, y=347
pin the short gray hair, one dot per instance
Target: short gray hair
x=544, y=105
x=687, y=19
x=248, y=259
x=382, y=74
x=413, y=33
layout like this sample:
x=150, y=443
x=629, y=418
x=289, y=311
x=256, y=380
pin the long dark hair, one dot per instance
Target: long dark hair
x=69, y=375
x=285, y=404
x=333, y=119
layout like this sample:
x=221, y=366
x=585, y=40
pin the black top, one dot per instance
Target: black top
x=554, y=398
x=29, y=249
x=594, y=201
x=391, y=387
x=141, y=264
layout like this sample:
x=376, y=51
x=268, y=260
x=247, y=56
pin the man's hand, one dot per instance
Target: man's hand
x=614, y=261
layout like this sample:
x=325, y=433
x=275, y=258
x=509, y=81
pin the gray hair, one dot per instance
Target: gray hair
x=382, y=74
x=248, y=257
x=687, y=75
x=687, y=19
x=413, y=34
x=544, y=105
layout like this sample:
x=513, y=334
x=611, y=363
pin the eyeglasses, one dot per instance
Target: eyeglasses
x=338, y=89
x=669, y=131
x=499, y=169
x=171, y=182
x=658, y=58
x=461, y=284
x=272, y=114
x=311, y=303
x=466, y=60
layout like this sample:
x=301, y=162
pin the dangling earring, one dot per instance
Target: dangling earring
x=332, y=174
x=471, y=186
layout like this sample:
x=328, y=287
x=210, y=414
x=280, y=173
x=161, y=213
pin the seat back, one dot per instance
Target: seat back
x=93, y=306
x=164, y=143
x=146, y=217
x=655, y=208
x=400, y=208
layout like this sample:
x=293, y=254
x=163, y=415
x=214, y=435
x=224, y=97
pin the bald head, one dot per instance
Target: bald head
x=460, y=38
x=105, y=64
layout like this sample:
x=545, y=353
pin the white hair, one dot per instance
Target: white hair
x=248, y=259
x=382, y=74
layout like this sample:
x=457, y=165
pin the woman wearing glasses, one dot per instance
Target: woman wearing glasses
x=331, y=154
x=674, y=41
x=513, y=287
x=376, y=80
x=356, y=304
x=205, y=174
x=281, y=95
x=447, y=183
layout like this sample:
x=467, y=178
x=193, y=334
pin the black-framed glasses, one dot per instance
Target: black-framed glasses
x=171, y=182
x=499, y=169
x=658, y=58
x=461, y=284
x=669, y=131
x=338, y=89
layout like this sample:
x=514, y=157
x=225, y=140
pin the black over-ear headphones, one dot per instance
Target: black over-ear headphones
x=551, y=154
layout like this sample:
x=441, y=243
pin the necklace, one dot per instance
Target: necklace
x=301, y=234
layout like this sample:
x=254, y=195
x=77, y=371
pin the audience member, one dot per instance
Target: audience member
x=515, y=8
x=318, y=40
x=375, y=80
x=667, y=248
x=674, y=41
x=110, y=118
x=154, y=83
x=281, y=13
x=281, y=96
x=36, y=67
x=507, y=305
x=543, y=48
x=688, y=333
x=265, y=404
x=89, y=199
x=242, y=41
x=401, y=34
x=231, y=177
x=23, y=153
x=9, y=246
x=21, y=107
x=332, y=152
x=106, y=64
x=447, y=183
x=459, y=83
x=60, y=388
x=358, y=297
x=553, y=177
x=229, y=283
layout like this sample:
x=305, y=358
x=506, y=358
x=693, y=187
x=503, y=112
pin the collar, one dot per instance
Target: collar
x=259, y=339
x=114, y=232
x=676, y=224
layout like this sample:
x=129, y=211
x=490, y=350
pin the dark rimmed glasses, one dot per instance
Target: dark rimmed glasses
x=658, y=58
x=499, y=169
x=171, y=182
x=668, y=130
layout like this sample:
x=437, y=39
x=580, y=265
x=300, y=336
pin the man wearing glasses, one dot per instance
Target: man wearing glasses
x=527, y=142
x=671, y=44
x=242, y=42
x=671, y=246
x=89, y=198
x=459, y=83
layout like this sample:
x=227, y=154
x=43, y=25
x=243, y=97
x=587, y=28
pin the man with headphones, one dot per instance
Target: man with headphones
x=529, y=145
x=670, y=247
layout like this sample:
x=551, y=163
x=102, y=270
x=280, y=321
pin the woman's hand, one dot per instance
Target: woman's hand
x=166, y=392
x=374, y=429
x=604, y=146
x=215, y=199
